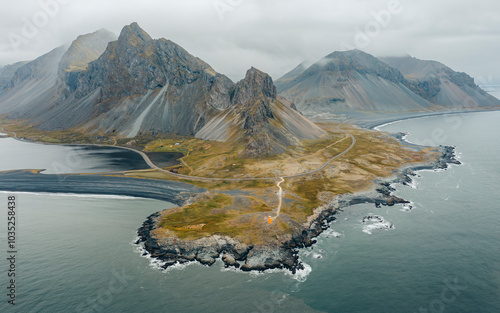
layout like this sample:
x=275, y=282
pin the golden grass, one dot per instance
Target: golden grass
x=375, y=155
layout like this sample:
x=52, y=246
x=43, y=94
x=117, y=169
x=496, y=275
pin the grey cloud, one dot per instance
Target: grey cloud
x=276, y=35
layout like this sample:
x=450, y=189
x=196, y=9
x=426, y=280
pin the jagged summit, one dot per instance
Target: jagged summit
x=133, y=85
x=256, y=84
x=263, y=122
x=253, y=97
x=134, y=31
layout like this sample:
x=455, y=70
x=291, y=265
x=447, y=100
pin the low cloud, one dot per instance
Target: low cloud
x=274, y=36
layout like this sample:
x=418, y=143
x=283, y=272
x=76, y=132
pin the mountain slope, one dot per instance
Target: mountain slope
x=349, y=81
x=7, y=73
x=264, y=122
x=130, y=86
x=85, y=49
x=441, y=85
x=141, y=85
x=30, y=86
x=285, y=79
x=37, y=86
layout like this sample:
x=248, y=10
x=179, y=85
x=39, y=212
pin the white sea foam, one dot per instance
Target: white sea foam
x=386, y=124
x=156, y=263
x=413, y=184
x=77, y=195
x=374, y=222
x=317, y=256
x=432, y=170
x=300, y=275
x=330, y=233
x=407, y=207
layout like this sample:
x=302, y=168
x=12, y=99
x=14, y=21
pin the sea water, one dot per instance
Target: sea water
x=441, y=254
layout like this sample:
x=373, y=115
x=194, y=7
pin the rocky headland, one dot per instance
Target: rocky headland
x=259, y=257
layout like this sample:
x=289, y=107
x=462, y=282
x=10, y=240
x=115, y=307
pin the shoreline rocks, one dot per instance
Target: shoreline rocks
x=206, y=250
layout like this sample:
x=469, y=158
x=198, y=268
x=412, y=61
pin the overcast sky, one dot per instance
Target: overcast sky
x=272, y=35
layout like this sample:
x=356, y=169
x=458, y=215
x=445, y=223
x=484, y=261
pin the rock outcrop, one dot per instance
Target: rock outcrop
x=264, y=122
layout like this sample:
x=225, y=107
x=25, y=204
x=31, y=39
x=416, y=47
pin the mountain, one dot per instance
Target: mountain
x=36, y=87
x=264, y=122
x=140, y=85
x=129, y=86
x=346, y=82
x=136, y=85
x=299, y=69
x=85, y=49
x=441, y=85
x=31, y=86
x=7, y=73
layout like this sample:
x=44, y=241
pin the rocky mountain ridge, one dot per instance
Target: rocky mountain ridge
x=440, y=84
x=137, y=85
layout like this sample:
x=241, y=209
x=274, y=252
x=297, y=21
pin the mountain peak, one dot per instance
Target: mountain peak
x=354, y=58
x=134, y=34
x=255, y=85
x=85, y=49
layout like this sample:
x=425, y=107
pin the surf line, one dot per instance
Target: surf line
x=280, y=201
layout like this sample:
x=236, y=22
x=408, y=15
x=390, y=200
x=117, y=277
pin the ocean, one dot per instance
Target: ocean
x=76, y=253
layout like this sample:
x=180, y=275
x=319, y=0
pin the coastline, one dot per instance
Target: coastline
x=373, y=122
x=261, y=257
x=173, y=251
x=165, y=190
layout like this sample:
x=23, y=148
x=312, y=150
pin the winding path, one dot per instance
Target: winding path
x=280, y=199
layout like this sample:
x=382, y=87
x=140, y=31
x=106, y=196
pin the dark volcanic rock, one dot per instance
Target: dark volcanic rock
x=255, y=85
x=229, y=260
x=263, y=122
x=447, y=157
